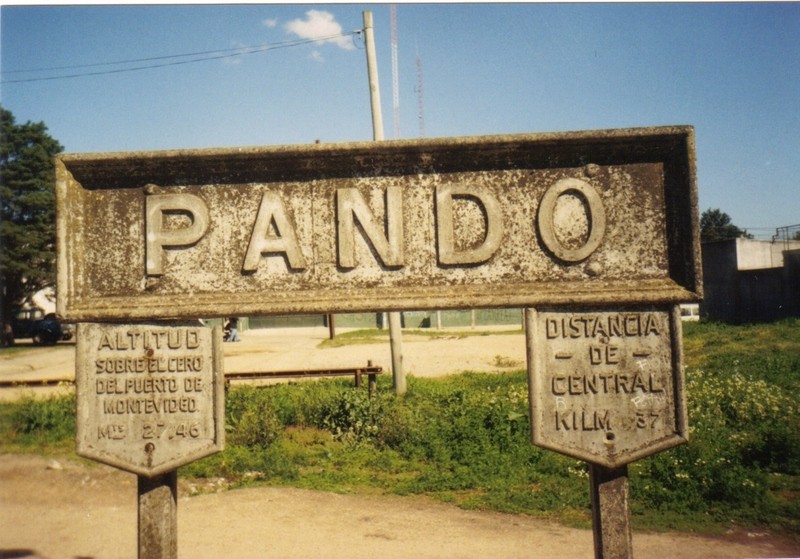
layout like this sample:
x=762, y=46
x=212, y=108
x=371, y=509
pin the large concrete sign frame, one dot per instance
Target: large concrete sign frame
x=582, y=218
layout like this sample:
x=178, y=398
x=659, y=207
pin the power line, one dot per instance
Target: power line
x=202, y=56
x=128, y=61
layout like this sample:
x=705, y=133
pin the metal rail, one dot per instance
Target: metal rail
x=20, y=383
x=358, y=372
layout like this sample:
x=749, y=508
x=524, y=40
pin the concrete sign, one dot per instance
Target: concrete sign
x=606, y=385
x=150, y=397
x=500, y=221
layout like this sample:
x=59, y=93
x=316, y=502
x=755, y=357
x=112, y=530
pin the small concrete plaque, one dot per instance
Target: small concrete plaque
x=606, y=385
x=150, y=397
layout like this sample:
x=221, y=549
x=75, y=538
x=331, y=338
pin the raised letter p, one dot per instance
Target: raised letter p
x=157, y=238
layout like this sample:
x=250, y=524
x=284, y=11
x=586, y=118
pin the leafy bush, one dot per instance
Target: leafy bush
x=740, y=429
x=353, y=416
x=250, y=418
x=51, y=419
x=761, y=419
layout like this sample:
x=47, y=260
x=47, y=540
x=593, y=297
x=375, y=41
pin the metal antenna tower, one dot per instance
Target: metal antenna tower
x=420, y=103
x=395, y=80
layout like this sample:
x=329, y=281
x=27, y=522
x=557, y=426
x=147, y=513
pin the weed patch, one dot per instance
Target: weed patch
x=36, y=422
x=375, y=336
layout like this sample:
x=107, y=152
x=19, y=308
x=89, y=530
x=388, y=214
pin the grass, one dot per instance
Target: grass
x=464, y=439
x=769, y=352
x=377, y=336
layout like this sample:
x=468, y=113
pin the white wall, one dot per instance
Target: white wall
x=758, y=255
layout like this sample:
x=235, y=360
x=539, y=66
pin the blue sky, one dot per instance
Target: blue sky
x=731, y=70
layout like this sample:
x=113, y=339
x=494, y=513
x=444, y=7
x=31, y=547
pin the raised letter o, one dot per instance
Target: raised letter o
x=597, y=219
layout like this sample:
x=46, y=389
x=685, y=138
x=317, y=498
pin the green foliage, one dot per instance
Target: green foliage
x=352, y=417
x=769, y=352
x=377, y=336
x=27, y=209
x=243, y=464
x=360, y=337
x=738, y=434
x=36, y=421
x=743, y=388
x=251, y=419
x=716, y=225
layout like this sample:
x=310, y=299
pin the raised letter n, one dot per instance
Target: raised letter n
x=351, y=207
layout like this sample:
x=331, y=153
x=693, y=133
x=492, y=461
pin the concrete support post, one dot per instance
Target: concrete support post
x=158, y=516
x=396, y=340
x=611, y=512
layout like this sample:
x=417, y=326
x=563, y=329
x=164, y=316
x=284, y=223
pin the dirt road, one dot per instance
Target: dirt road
x=297, y=348
x=67, y=509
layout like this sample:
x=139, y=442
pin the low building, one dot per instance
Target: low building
x=747, y=280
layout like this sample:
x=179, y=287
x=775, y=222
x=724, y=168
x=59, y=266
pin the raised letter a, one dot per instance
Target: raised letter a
x=272, y=216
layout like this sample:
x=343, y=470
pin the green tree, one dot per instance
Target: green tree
x=27, y=216
x=716, y=225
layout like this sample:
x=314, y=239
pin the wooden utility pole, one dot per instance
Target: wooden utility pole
x=395, y=327
x=372, y=74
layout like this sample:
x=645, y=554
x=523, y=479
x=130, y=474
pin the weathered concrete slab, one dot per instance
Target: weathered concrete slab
x=606, y=385
x=150, y=396
x=512, y=221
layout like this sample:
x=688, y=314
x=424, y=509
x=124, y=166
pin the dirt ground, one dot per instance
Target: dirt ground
x=296, y=348
x=69, y=509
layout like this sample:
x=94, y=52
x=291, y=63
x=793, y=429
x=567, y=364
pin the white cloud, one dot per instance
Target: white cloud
x=316, y=55
x=321, y=26
x=270, y=23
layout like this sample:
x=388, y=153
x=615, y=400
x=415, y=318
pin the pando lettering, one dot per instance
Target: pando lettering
x=274, y=231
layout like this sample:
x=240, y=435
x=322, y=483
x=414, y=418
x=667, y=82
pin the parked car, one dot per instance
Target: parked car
x=43, y=329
